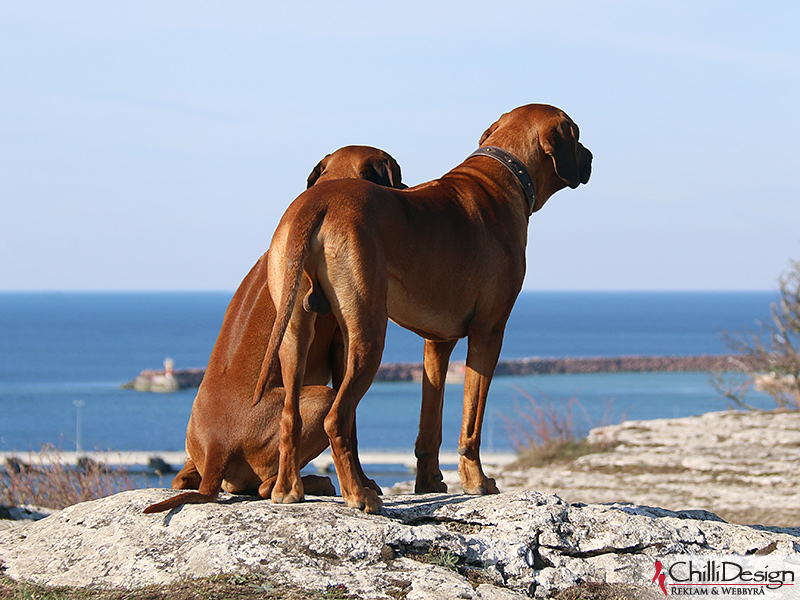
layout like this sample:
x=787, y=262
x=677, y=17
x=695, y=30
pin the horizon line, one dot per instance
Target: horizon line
x=523, y=291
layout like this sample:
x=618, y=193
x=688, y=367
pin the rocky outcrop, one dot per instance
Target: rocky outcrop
x=741, y=465
x=14, y=516
x=508, y=546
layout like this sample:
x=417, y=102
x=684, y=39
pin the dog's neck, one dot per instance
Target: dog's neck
x=513, y=164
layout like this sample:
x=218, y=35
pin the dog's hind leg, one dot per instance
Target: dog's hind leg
x=294, y=348
x=339, y=425
x=337, y=361
x=363, y=320
x=429, y=439
x=188, y=478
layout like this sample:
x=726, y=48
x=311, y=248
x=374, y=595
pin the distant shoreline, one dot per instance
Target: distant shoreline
x=191, y=378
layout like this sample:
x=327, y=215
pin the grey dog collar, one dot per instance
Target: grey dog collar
x=513, y=164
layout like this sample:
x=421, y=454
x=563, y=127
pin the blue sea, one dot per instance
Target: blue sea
x=59, y=348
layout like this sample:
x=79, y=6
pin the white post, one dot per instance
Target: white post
x=78, y=426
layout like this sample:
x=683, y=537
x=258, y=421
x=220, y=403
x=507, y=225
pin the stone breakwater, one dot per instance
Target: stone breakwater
x=551, y=366
x=189, y=378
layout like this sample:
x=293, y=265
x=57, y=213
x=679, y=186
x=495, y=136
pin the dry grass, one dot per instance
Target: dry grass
x=46, y=480
x=256, y=587
x=605, y=591
x=544, y=434
x=224, y=587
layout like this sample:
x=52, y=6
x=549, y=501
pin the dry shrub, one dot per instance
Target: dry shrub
x=768, y=359
x=544, y=434
x=47, y=480
x=605, y=591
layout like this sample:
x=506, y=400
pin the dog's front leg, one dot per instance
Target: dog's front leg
x=429, y=439
x=483, y=352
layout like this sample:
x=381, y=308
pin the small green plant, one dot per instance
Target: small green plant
x=443, y=558
x=336, y=592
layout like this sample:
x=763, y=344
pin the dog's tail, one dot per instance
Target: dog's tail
x=297, y=245
x=179, y=500
x=209, y=489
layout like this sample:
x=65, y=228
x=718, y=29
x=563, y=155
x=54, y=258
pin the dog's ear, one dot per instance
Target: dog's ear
x=395, y=175
x=488, y=132
x=584, y=162
x=317, y=171
x=383, y=171
x=561, y=144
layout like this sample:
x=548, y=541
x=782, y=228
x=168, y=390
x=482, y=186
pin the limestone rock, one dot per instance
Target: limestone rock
x=741, y=465
x=509, y=546
x=12, y=516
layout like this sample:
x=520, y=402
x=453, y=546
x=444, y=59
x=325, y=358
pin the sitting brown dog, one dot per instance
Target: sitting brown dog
x=445, y=259
x=229, y=443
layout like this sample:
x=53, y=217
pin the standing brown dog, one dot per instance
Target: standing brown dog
x=445, y=259
x=229, y=443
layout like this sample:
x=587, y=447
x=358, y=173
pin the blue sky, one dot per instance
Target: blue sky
x=154, y=145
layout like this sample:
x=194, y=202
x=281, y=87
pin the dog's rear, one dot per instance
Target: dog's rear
x=236, y=362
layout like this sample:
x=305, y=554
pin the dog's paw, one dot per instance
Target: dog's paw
x=473, y=480
x=429, y=479
x=485, y=487
x=287, y=497
x=317, y=485
x=430, y=487
x=489, y=487
x=367, y=500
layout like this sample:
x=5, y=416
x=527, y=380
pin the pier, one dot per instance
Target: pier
x=191, y=378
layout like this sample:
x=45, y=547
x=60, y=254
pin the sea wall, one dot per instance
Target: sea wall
x=545, y=366
x=189, y=378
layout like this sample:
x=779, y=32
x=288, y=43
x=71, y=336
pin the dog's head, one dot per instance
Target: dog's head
x=546, y=140
x=358, y=162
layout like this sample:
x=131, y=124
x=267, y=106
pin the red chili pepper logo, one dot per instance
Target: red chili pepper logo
x=660, y=577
